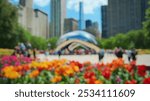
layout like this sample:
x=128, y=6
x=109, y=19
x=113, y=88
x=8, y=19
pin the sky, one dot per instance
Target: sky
x=92, y=9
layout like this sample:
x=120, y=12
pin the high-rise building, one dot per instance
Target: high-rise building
x=58, y=15
x=35, y=21
x=104, y=21
x=70, y=25
x=121, y=16
x=88, y=23
x=81, y=16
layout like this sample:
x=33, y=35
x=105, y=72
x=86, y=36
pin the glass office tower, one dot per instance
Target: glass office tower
x=58, y=15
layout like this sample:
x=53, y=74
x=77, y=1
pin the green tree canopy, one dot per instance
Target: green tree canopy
x=8, y=24
x=146, y=27
x=53, y=42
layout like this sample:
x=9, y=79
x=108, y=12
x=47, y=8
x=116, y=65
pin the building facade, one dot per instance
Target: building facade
x=88, y=23
x=35, y=21
x=104, y=21
x=58, y=15
x=121, y=16
x=93, y=28
x=70, y=25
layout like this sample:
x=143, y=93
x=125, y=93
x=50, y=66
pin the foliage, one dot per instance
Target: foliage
x=53, y=42
x=71, y=72
x=38, y=42
x=11, y=33
x=132, y=39
x=23, y=35
x=8, y=24
x=146, y=27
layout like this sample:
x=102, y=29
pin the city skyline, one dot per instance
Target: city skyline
x=91, y=12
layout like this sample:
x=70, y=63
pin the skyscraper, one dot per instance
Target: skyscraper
x=88, y=23
x=104, y=21
x=81, y=16
x=121, y=16
x=58, y=15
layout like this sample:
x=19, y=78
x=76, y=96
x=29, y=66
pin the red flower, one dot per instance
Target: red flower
x=142, y=70
x=89, y=68
x=133, y=63
x=106, y=73
x=88, y=75
x=146, y=81
x=131, y=82
x=76, y=64
x=77, y=81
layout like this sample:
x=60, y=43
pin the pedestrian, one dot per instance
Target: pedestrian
x=59, y=53
x=133, y=54
x=22, y=49
x=129, y=52
x=101, y=54
x=120, y=53
x=34, y=53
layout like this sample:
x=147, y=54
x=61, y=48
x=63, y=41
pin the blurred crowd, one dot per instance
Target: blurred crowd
x=24, y=49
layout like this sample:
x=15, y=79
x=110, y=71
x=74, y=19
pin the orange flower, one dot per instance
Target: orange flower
x=34, y=74
x=9, y=72
x=76, y=68
x=68, y=71
x=56, y=79
x=98, y=82
x=87, y=63
x=12, y=75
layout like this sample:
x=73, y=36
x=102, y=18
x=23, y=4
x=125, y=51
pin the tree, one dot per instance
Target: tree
x=38, y=43
x=8, y=24
x=53, y=42
x=146, y=27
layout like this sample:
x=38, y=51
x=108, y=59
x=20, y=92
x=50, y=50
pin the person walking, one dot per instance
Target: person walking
x=129, y=52
x=34, y=53
x=120, y=53
x=133, y=54
x=101, y=54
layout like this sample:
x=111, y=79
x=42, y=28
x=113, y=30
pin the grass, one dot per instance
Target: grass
x=5, y=52
x=143, y=51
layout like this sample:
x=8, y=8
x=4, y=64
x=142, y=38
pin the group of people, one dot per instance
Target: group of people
x=130, y=53
x=24, y=49
x=118, y=52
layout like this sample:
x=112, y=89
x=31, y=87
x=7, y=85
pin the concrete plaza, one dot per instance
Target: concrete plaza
x=141, y=59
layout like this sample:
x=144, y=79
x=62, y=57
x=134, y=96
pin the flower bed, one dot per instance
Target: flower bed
x=13, y=61
x=73, y=72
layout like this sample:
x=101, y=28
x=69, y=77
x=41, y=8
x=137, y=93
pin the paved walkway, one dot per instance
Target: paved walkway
x=141, y=59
